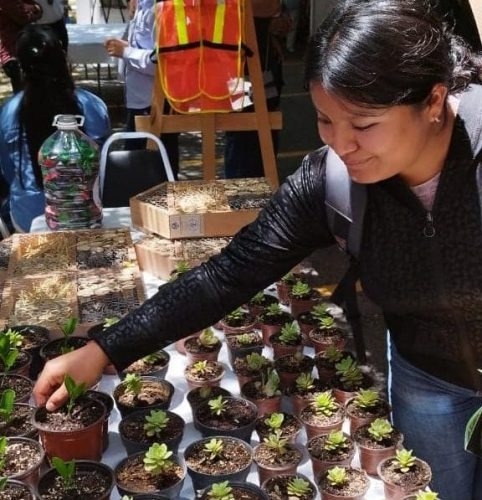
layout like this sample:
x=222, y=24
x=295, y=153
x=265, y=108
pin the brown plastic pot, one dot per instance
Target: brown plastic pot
x=29, y=476
x=343, y=396
x=371, y=457
x=80, y=444
x=268, y=330
x=266, y=471
x=267, y=485
x=18, y=489
x=266, y=404
x=360, y=495
x=317, y=430
x=357, y=421
x=108, y=402
x=322, y=345
x=319, y=465
x=299, y=306
x=180, y=344
x=192, y=357
x=238, y=330
x=74, y=341
x=280, y=349
x=193, y=383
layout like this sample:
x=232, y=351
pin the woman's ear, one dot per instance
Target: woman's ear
x=436, y=102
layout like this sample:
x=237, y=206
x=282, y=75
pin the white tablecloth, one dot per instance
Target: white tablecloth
x=86, y=42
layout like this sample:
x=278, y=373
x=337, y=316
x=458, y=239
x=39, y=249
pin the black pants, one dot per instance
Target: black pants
x=12, y=70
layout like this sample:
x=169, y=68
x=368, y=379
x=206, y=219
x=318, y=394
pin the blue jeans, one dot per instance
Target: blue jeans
x=432, y=415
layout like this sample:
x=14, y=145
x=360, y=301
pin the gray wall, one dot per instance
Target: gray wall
x=319, y=10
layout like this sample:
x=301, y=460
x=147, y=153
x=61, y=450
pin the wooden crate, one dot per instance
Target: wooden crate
x=195, y=209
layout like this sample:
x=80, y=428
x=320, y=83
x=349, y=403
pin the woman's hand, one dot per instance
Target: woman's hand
x=83, y=365
x=115, y=47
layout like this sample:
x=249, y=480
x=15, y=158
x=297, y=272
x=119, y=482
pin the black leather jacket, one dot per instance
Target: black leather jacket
x=430, y=289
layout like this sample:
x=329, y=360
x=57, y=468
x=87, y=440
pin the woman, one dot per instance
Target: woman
x=390, y=88
x=26, y=119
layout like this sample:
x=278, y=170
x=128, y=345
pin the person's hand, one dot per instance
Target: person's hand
x=83, y=365
x=115, y=47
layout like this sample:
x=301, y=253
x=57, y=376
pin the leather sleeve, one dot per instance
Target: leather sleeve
x=290, y=227
x=21, y=12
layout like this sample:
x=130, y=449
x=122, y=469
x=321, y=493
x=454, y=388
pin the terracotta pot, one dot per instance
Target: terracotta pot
x=84, y=467
x=305, y=327
x=267, y=331
x=288, y=378
x=243, y=487
x=357, y=421
x=361, y=477
x=172, y=492
x=132, y=447
x=265, y=405
x=159, y=405
x=371, y=457
x=238, y=330
x=299, y=306
x=313, y=430
x=180, y=344
x=27, y=386
x=202, y=480
x=18, y=489
x=300, y=401
x=322, y=345
x=343, y=396
x=108, y=402
x=280, y=349
x=31, y=475
x=80, y=444
x=320, y=465
x=282, y=479
x=158, y=371
x=73, y=341
x=265, y=471
x=400, y=491
x=192, y=357
x=193, y=383
x=244, y=379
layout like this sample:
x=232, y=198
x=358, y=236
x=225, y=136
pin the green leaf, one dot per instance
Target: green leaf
x=473, y=433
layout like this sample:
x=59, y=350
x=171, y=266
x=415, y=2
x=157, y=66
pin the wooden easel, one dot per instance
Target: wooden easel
x=210, y=123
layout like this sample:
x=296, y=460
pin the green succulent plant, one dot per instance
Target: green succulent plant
x=132, y=384
x=200, y=367
x=3, y=451
x=405, y=460
x=380, y=429
x=221, y=491
x=157, y=459
x=155, y=423
x=236, y=315
x=276, y=442
x=336, y=440
x=275, y=420
x=273, y=310
x=288, y=278
x=207, y=338
x=305, y=382
x=8, y=353
x=300, y=290
x=337, y=476
x=366, y=399
x=320, y=311
x=7, y=403
x=181, y=268
x=256, y=361
x=153, y=358
x=16, y=338
x=269, y=384
x=298, y=487
x=218, y=405
x=246, y=338
x=324, y=403
x=3, y=483
x=332, y=354
x=326, y=322
x=108, y=322
x=258, y=299
x=66, y=471
x=349, y=373
x=426, y=495
x=290, y=333
x=74, y=390
x=215, y=448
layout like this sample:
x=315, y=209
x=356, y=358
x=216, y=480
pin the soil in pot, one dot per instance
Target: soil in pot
x=271, y=322
x=259, y=303
x=77, y=434
x=239, y=346
x=362, y=411
x=353, y=488
x=284, y=348
x=322, y=416
x=237, y=321
x=284, y=285
x=16, y=490
x=273, y=461
x=239, y=491
x=132, y=477
x=252, y=367
x=276, y=487
x=230, y=461
x=226, y=416
x=142, y=392
x=91, y=480
x=289, y=425
x=266, y=396
x=343, y=392
x=322, y=338
x=137, y=436
x=289, y=368
x=19, y=422
x=199, y=395
x=154, y=365
x=329, y=450
x=54, y=348
x=304, y=390
x=202, y=346
x=22, y=386
x=202, y=373
x=300, y=303
x=22, y=460
x=325, y=362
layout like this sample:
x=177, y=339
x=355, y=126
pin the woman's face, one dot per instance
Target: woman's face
x=376, y=143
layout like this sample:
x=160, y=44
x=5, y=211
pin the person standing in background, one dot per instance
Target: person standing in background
x=14, y=15
x=53, y=15
x=292, y=8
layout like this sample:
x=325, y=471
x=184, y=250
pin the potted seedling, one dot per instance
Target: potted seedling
x=288, y=424
x=423, y=495
x=217, y=459
x=305, y=387
x=285, y=284
x=232, y=490
x=289, y=487
x=239, y=346
x=302, y=298
x=264, y=393
x=142, y=393
x=15, y=418
x=14, y=489
x=376, y=441
x=252, y=367
x=76, y=479
x=364, y=408
x=158, y=471
x=206, y=346
x=204, y=372
x=226, y=416
x=199, y=395
x=67, y=343
x=75, y=430
x=343, y=483
x=326, y=333
x=349, y=379
x=310, y=319
x=12, y=360
x=237, y=321
x=153, y=365
x=21, y=459
x=322, y=415
x=403, y=474
x=289, y=367
x=180, y=268
x=257, y=304
x=272, y=320
x=326, y=361
x=275, y=455
x=287, y=341
x=328, y=450
x=143, y=428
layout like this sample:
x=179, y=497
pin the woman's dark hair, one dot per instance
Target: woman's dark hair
x=49, y=88
x=387, y=52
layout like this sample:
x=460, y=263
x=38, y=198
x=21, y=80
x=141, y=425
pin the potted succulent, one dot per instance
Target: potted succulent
x=322, y=415
x=310, y=319
x=272, y=320
x=257, y=304
x=13, y=489
x=237, y=321
x=203, y=346
x=67, y=343
x=252, y=367
x=289, y=367
x=423, y=495
x=284, y=285
x=217, y=459
x=349, y=379
x=75, y=430
x=343, y=483
x=21, y=459
x=138, y=393
x=76, y=479
x=239, y=346
x=289, y=487
x=328, y=450
x=275, y=455
x=155, y=364
x=226, y=416
x=143, y=428
x=305, y=387
x=264, y=393
x=32, y=337
x=287, y=341
x=204, y=372
x=326, y=333
x=198, y=395
x=376, y=441
x=22, y=386
x=302, y=298
x=232, y=490
x=403, y=474
x=364, y=408
x=15, y=418
x=12, y=360
x=325, y=362
x=158, y=471
x=288, y=424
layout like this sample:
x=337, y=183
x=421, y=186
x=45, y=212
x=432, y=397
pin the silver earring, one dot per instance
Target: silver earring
x=436, y=119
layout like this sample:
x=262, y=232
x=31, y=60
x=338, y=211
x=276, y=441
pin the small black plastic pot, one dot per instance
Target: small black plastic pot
x=47, y=350
x=19, y=489
x=247, y=487
x=105, y=398
x=155, y=372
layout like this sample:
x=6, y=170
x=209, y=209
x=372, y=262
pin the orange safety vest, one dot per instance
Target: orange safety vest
x=200, y=53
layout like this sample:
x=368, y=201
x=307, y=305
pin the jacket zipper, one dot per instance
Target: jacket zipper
x=429, y=228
